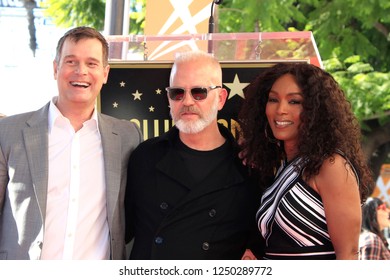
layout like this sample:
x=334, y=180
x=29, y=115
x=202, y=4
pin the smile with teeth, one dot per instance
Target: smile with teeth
x=283, y=123
x=80, y=84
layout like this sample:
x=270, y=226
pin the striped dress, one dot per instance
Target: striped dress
x=291, y=218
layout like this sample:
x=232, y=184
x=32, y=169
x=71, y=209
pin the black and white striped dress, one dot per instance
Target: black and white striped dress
x=291, y=218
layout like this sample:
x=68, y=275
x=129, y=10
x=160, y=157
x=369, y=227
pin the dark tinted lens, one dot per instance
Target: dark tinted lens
x=176, y=93
x=199, y=93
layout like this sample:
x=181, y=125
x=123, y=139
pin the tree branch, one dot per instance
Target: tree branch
x=382, y=29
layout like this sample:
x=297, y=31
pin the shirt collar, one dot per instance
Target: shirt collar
x=54, y=114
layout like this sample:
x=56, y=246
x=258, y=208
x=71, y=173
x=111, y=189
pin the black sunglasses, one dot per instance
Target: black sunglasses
x=198, y=93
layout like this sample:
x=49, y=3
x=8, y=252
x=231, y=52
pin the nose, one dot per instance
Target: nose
x=187, y=99
x=81, y=69
x=282, y=107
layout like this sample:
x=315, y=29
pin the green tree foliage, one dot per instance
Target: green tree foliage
x=367, y=90
x=137, y=16
x=342, y=28
x=68, y=13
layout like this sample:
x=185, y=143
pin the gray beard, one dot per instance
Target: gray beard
x=193, y=127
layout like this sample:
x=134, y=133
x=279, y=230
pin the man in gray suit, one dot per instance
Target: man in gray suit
x=63, y=167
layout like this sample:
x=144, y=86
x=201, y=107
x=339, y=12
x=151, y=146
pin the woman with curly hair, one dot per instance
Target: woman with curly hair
x=299, y=129
x=373, y=243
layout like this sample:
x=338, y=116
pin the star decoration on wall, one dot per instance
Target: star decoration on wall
x=130, y=95
x=236, y=88
x=137, y=95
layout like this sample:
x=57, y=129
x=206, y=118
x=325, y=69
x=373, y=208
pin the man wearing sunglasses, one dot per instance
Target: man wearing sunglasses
x=188, y=194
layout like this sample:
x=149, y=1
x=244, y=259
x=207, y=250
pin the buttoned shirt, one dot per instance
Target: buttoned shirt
x=76, y=224
x=372, y=247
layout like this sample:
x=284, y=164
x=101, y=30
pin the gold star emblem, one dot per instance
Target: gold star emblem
x=137, y=95
x=115, y=105
x=122, y=84
x=151, y=109
x=236, y=87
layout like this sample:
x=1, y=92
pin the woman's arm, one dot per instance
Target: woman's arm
x=338, y=187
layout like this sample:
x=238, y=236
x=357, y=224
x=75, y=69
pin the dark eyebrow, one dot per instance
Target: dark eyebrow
x=288, y=94
x=295, y=93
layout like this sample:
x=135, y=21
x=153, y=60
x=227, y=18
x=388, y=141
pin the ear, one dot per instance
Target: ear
x=55, y=69
x=222, y=98
x=106, y=71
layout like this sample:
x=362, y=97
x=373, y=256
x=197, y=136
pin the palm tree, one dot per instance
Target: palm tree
x=30, y=5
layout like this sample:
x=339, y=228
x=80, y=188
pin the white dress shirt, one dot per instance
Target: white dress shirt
x=76, y=224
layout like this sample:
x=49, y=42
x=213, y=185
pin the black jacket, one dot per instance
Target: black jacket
x=211, y=221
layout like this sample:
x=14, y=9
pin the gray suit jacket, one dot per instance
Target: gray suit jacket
x=24, y=179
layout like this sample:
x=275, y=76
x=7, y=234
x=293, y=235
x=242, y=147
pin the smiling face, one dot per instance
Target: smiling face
x=283, y=110
x=80, y=73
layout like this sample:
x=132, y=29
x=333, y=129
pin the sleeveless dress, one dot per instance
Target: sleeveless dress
x=291, y=218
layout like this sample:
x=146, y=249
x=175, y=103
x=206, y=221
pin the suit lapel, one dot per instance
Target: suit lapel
x=111, y=143
x=36, y=143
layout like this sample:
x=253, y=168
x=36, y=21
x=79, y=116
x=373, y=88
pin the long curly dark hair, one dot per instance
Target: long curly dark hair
x=369, y=217
x=328, y=124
